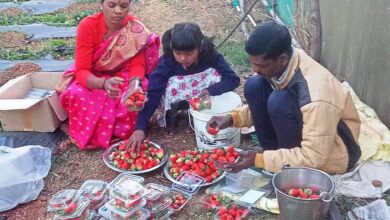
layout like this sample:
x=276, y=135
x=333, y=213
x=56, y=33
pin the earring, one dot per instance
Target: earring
x=101, y=8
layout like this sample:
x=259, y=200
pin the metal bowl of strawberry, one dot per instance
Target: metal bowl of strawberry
x=151, y=157
x=232, y=211
x=193, y=161
x=224, y=157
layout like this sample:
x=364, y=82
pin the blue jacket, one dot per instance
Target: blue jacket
x=168, y=67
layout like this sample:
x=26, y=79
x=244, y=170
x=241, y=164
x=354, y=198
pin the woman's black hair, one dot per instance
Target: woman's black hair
x=187, y=36
x=270, y=39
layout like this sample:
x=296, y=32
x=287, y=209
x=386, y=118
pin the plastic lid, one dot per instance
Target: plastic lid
x=188, y=182
x=161, y=215
x=127, y=190
x=159, y=204
x=244, y=210
x=154, y=191
x=61, y=200
x=121, y=211
x=94, y=190
x=124, y=177
x=82, y=210
x=140, y=214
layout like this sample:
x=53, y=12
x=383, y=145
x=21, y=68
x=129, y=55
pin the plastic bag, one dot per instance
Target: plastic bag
x=22, y=171
x=134, y=97
x=200, y=104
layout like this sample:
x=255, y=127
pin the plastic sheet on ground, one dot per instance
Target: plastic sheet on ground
x=47, y=65
x=22, y=138
x=41, y=31
x=377, y=210
x=22, y=173
x=37, y=6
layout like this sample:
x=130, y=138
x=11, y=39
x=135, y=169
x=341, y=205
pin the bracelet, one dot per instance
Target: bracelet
x=104, y=82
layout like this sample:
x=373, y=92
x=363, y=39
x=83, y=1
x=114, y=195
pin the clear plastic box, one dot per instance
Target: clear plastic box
x=235, y=215
x=214, y=201
x=125, y=177
x=81, y=212
x=159, y=204
x=140, y=214
x=63, y=202
x=113, y=206
x=221, y=165
x=247, y=179
x=94, y=190
x=131, y=97
x=128, y=190
x=161, y=215
x=154, y=191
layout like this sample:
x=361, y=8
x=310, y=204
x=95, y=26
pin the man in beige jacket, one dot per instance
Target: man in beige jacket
x=301, y=113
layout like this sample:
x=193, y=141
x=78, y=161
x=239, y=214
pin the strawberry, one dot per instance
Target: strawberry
x=212, y=131
x=160, y=153
x=71, y=207
x=122, y=146
x=214, y=156
x=232, y=211
x=314, y=196
x=308, y=191
x=231, y=159
x=231, y=149
x=219, y=152
x=294, y=192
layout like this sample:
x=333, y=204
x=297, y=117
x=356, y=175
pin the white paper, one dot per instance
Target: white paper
x=251, y=196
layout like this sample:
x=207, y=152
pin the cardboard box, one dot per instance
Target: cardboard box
x=29, y=103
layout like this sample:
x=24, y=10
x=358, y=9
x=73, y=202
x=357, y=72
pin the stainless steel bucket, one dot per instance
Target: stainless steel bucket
x=292, y=208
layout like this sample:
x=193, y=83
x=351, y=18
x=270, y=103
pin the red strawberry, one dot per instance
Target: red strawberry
x=294, y=192
x=230, y=149
x=212, y=131
x=71, y=207
x=314, y=196
x=232, y=211
x=222, y=210
x=160, y=153
x=219, y=152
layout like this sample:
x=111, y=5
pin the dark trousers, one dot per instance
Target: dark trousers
x=276, y=115
x=171, y=116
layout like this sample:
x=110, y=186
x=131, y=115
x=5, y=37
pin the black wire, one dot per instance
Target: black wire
x=235, y=28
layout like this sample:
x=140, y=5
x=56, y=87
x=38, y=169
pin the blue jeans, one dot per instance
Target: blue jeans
x=276, y=114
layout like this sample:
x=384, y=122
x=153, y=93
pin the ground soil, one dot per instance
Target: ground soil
x=70, y=166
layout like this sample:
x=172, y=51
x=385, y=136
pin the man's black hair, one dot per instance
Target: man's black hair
x=270, y=39
x=187, y=36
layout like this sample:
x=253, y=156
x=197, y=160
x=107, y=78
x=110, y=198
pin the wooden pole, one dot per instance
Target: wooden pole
x=315, y=30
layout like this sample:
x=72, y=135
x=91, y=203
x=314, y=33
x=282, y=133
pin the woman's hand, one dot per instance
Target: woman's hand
x=135, y=141
x=111, y=85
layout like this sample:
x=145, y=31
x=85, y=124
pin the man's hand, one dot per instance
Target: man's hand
x=135, y=141
x=111, y=86
x=220, y=122
x=246, y=160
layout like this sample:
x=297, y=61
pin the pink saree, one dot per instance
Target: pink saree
x=94, y=118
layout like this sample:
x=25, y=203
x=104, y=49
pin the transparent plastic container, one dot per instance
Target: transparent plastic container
x=114, y=208
x=181, y=192
x=123, y=177
x=128, y=191
x=247, y=179
x=63, y=202
x=140, y=214
x=242, y=214
x=96, y=206
x=81, y=212
x=159, y=204
x=94, y=190
x=161, y=215
x=134, y=97
x=154, y=191
x=214, y=201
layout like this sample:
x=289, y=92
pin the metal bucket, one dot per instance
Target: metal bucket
x=294, y=208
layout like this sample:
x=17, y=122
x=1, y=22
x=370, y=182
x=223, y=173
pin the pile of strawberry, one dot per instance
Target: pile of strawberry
x=178, y=201
x=148, y=157
x=232, y=212
x=201, y=163
x=136, y=101
x=214, y=201
x=304, y=193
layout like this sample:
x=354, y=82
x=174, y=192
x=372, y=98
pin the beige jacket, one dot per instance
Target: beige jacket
x=329, y=116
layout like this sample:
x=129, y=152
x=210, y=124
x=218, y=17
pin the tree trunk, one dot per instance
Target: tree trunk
x=315, y=30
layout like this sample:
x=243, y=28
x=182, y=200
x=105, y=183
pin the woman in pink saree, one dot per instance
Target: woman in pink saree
x=112, y=48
